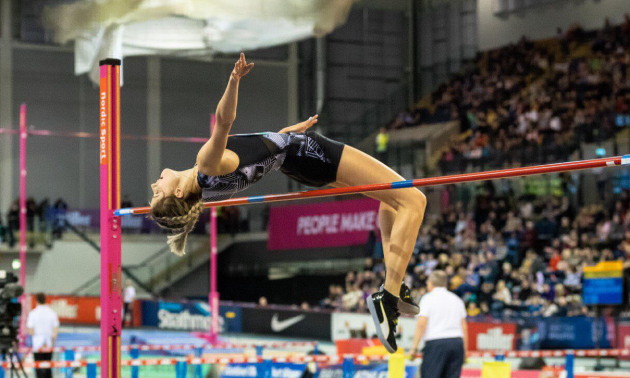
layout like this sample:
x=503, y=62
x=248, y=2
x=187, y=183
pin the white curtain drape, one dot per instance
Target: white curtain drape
x=119, y=28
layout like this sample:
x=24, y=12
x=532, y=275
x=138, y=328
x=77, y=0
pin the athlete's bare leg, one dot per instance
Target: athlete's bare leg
x=401, y=212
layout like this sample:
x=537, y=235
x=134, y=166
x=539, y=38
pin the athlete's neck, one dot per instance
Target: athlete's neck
x=189, y=180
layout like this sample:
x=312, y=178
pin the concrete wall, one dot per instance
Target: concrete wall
x=542, y=21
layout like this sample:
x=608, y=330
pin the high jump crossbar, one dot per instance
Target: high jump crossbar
x=422, y=182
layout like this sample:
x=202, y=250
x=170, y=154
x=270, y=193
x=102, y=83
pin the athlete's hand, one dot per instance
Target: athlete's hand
x=241, y=68
x=300, y=127
x=303, y=126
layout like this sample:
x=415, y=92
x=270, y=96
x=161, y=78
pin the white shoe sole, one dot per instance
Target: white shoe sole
x=377, y=324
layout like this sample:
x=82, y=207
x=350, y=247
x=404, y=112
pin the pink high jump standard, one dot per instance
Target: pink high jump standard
x=111, y=272
x=24, y=298
x=111, y=262
x=213, y=297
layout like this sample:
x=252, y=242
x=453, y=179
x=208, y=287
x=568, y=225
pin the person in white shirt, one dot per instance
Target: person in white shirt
x=442, y=324
x=128, y=296
x=43, y=326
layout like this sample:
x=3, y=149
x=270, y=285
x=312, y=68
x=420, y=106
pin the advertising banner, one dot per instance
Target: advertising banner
x=74, y=310
x=330, y=224
x=566, y=333
x=623, y=336
x=188, y=316
x=491, y=336
x=278, y=370
x=351, y=326
x=280, y=322
x=603, y=283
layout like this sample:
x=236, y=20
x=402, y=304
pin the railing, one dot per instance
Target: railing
x=163, y=267
x=263, y=365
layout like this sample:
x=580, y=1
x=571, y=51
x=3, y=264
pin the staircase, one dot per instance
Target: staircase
x=163, y=268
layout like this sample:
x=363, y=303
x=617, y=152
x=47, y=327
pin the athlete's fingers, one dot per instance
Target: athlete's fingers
x=247, y=68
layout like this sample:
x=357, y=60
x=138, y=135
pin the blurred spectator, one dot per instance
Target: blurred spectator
x=381, y=144
x=13, y=223
x=262, y=302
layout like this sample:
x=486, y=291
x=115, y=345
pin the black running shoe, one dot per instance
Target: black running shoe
x=382, y=306
x=406, y=305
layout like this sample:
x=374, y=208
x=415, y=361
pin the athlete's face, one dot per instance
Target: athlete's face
x=165, y=186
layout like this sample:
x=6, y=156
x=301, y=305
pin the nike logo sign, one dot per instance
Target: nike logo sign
x=280, y=325
x=384, y=323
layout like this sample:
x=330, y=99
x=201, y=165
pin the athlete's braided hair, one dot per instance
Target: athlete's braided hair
x=179, y=216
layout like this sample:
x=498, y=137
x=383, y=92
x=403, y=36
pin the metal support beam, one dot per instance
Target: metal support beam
x=293, y=81
x=6, y=105
x=154, y=118
x=411, y=53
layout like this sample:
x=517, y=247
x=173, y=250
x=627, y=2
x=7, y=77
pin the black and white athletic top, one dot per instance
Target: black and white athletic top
x=308, y=158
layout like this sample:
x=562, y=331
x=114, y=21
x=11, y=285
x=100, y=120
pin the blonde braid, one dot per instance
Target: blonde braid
x=181, y=226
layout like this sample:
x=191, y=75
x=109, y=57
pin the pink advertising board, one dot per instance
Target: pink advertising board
x=329, y=224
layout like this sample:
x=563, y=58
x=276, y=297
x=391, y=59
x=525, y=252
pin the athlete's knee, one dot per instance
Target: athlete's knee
x=416, y=200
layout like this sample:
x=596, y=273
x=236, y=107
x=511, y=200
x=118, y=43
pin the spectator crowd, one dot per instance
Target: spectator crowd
x=44, y=222
x=534, y=102
x=507, y=255
x=527, y=103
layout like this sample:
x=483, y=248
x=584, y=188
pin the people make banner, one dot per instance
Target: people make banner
x=329, y=224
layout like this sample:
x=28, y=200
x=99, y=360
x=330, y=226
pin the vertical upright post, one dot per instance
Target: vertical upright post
x=347, y=367
x=259, y=350
x=264, y=368
x=7, y=21
x=569, y=364
x=68, y=355
x=214, y=294
x=199, y=367
x=135, y=354
x=396, y=366
x=111, y=280
x=91, y=370
x=23, y=225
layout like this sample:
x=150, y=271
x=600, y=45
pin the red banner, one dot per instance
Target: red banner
x=623, y=336
x=329, y=224
x=490, y=336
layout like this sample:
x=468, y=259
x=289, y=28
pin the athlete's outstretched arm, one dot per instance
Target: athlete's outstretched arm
x=300, y=127
x=211, y=154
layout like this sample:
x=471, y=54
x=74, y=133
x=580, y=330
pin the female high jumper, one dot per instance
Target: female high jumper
x=227, y=164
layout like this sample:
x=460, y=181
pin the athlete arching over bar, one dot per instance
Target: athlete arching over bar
x=228, y=164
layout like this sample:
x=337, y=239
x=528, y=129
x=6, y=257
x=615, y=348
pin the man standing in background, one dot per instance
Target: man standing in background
x=442, y=323
x=128, y=297
x=43, y=326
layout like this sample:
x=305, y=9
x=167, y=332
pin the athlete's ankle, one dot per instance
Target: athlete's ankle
x=390, y=299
